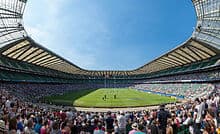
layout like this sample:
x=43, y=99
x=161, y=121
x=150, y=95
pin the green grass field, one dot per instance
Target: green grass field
x=96, y=98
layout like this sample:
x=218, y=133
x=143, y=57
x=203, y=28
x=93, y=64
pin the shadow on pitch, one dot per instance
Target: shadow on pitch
x=69, y=98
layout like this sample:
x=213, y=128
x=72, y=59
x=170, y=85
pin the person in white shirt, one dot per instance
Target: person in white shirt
x=189, y=122
x=8, y=103
x=69, y=114
x=122, y=123
x=198, y=116
x=216, y=100
x=209, y=101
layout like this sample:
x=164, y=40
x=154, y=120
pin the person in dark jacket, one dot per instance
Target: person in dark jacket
x=162, y=117
x=109, y=123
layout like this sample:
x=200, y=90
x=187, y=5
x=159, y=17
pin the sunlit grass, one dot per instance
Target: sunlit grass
x=110, y=97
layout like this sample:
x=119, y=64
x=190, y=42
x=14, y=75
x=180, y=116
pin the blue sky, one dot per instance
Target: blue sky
x=110, y=34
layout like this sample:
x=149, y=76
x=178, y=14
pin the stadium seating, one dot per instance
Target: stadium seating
x=183, y=90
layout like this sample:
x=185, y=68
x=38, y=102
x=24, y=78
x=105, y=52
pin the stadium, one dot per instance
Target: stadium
x=42, y=92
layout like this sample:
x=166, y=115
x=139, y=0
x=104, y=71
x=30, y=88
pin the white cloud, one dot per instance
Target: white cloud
x=38, y=34
x=43, y=24
x=84, y=38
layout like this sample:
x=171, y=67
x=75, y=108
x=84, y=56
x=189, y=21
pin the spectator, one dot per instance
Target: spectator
x=116, y=127
x=23, y=114
x=109, y=123
x=99, y=129
x=45, y=128
x=122, y=123
x=141, y=129
x=169, y=128
x=29, y=128
x=189, y=123
x=134, y=128
x=55, y=128
x=37, y=127
x=162, y=119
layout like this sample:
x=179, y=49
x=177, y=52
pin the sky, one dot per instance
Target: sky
x=110, y=34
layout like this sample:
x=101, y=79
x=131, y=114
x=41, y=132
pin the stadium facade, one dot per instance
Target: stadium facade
x=24, y=60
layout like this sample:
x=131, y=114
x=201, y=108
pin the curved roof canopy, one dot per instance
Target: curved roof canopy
x=202, y=45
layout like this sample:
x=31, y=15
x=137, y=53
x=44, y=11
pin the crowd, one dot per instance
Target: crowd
x=199, y=116
x=189, y=91
x=35, y=92
x=196, y=76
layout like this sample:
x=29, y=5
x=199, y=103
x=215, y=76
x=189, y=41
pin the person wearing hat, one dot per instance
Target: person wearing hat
x=134, y=128
x=141, y=129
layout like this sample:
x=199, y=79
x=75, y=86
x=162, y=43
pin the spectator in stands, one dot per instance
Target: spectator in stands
x=134, y=128
x=38, y=125
x=209, y=127
x=129, y=125
x=45, y=128
x=141, y=129
x=109, y=123
x=162, y=117
x=198, y=116
x=122, y=123
x=13, y=125
x=55, y=128
x=153, y=127
x=175, y=123
x=100, y=129
x=25, y=116
x=29, y=128
x=210, y=116
x=169, y=128
x=116, y=127
x=189, y=122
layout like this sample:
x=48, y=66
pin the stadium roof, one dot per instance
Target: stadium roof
x=202, y=45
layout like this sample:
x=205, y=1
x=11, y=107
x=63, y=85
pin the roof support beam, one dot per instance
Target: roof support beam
x=199, y=49
x=15, y=53
x=181, y=60
x=198, y=52
x=9, y=27
x=34, y=55
x=45, y=61
x=162, y=65
x=29, y=47
x=11, y=31
x=163, y=62
x=183, y=56
x=210, y=47
x=170, y=60
x=10, y=11
x=7, y=17
x=51, y=61
x=11, y=45
x=181, y=49
x=30, y=54
x=39, y=57
x=194, y=52
x=17, y=49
